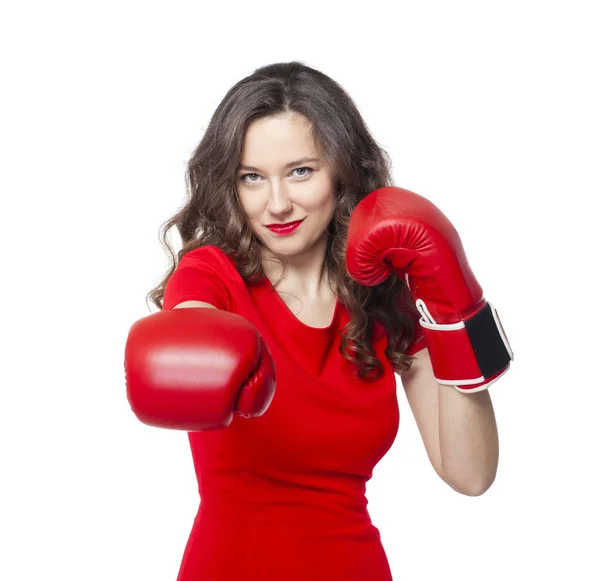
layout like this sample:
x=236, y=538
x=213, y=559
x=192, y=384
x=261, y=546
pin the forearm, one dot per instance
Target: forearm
x=468, y=439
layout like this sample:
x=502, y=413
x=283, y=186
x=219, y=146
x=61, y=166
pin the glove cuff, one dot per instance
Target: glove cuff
x=469, y=355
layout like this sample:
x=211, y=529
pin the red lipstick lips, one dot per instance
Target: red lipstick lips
x=285, y=228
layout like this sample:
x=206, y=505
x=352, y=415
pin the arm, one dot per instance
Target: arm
x=458, y=429
x=194, y=304
x=395, y=232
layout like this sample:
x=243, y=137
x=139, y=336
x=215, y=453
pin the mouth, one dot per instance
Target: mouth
x=284, y=228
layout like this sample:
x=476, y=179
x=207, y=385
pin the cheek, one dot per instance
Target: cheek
x=321, y=196
x=249, y=205
x=327, y=201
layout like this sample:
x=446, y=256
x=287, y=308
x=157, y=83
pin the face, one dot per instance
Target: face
x=282, y=178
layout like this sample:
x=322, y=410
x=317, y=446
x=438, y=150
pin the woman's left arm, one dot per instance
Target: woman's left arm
x=468, y=439
x=393, y=231
x=458, y=429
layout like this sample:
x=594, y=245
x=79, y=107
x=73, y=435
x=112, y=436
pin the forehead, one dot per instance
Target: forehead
x=278, y=139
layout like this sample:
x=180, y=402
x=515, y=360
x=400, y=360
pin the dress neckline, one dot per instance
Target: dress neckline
x=288, y=317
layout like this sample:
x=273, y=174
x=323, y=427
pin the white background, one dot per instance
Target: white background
x=488, y=109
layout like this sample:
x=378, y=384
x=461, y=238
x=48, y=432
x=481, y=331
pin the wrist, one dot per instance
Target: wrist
x=469, y=354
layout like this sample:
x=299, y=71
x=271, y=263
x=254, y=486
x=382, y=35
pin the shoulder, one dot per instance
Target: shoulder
x=206, y=254
x=213, y=263
x=380, y=334
x=205, y=274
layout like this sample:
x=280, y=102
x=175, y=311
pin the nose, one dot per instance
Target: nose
x=279, y=202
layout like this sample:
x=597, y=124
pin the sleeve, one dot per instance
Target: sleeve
x=203, y=274
x=418, y=342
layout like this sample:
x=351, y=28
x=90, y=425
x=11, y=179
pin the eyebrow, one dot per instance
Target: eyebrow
x=287, y=165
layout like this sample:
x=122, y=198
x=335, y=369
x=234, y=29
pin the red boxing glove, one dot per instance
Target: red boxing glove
x=193, y=368
x=393, y=230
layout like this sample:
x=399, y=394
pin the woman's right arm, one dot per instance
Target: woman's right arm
x=192, y=304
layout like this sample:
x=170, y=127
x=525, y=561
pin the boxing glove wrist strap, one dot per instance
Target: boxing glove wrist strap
x=468, y=355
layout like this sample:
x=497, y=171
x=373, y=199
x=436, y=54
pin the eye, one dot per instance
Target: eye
x=244, y=178
x=306, y=171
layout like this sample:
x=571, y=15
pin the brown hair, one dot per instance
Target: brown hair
x=213, y=216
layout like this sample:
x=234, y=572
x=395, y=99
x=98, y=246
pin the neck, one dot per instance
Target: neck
x=307, y=273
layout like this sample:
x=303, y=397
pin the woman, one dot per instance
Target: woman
x=290, y=307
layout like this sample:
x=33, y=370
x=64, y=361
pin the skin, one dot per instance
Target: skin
x=272, y=191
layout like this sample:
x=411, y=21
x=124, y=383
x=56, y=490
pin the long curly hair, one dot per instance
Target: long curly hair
x=212, y=214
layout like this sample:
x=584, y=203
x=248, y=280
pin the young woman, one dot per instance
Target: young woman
x=293, y=301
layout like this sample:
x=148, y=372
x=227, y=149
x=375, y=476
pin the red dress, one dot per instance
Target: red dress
x=282, y=497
